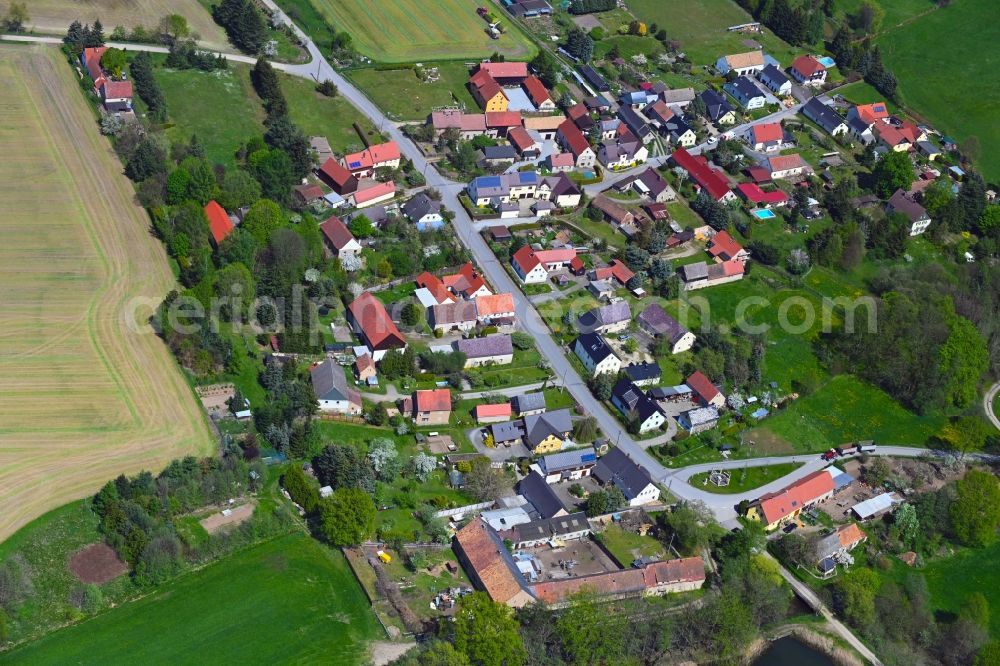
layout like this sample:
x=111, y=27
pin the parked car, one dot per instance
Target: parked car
x=789, y=528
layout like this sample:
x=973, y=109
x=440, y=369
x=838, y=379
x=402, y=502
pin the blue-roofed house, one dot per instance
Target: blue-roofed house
x=488, y=190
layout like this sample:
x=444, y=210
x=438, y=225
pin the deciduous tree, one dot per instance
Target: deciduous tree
x=487, y=632
x=347, y=517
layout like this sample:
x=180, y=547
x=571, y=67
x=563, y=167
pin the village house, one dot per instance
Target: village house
x=605, y=319
x=494, y=413
x=563, y=192
x=678, y=98
x=700, y=274
x=808, y=71
x=616, y=270
x=580, y=116
x=774, y=509
x=711, y=180
x=617, y=469
x=904, y=203
x=546, y=432
x=342, y=181
x=545, y=126
x=374, y=157
x=431, y=290
x=574, y=142
x=601, y=289
x=658, y=113
x=371, y=192
x=538, y=94
x=753, y=194
x=373, y=325
x=496, y=190
x=364, y=369
x=219, y=224
x=571, y=527
x=724, y=247
x=432, y=407
x=540, y=496
x=596, y=355
x=636, y=124
x=644, y=374
x=630, y=400
x=591, y=76
x=116, y=95
x=699, y=419
x=655, y=321
x=487, y=92
x=491, y=350
x=900, y=136
x=559, y=162
x=490, y=566
x=786, y=166
x=424, y=212
x=744, y=64
x=507, y=73
x=527, y=404
x=775, y=80
x=651, y=185
x=843, y=540
x=499, y=123
x=339, y=239
x=495, y=157
x=522, y=142
x=568, y=465
x=704, y=390
x=746, y=93
x=330, y=386
x=460, y=316
x=533, y=266
x=766, y=137
x=719, y=110
x=613, y=212
x=467, y=282
x=679, y=132
x=622, y=153
x=825, y=117
x=507, y=433
x=469, y=125
x=307, y=195
x=495, y=309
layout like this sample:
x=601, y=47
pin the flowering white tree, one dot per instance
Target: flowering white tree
x=384, y=457
x=422, y=465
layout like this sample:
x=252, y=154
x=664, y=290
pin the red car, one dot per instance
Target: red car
x=830, y=455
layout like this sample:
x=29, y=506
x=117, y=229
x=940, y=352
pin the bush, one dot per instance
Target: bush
x=327, y=88
x=597, y=34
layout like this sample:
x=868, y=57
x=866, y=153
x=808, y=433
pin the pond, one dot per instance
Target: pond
x=788, y=651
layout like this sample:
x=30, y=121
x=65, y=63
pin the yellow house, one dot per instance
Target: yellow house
x=774, y=509
x=488, y=92
x=546, y=432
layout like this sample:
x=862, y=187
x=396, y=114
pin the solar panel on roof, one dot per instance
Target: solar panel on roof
x=355, y=165
x=588, y=457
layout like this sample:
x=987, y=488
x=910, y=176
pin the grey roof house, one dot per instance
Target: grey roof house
x=617, y=469
x=606, y=319
x=541, y=496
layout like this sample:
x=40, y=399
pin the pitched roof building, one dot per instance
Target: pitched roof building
x=370, y=320
x=616, y=468
x=490, y=566
x=219, y=223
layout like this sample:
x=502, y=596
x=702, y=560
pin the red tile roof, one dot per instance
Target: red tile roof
x=577, y=111
x=488, y=411
x=561, y=160
x=536, y=90
x=660, y=110
x=494, y=304
x=466, y=122
x=503, y=119
x=871, y=113
x=117, y=89
x=752, y=193
x=724, y=246
x=806, y=490
x=372, y=156
x=730, y=268
x=336, y=232
x=620, y=271
x=759, y=174
x=765, y=132
x=711, y=180
x=611, y=583
x=685, y=570
x=784, y=162
x=521, y=139
x=482, y=550
x=432, y=284
x=218, y=221
x=527, y=258
x=894, y=136
x=485, y=85
x=576, y=265
x=375, y=191
x=337, y=177
x=574, y=138
x=375, y=323
x=807, y=65
x=433, y=400
x=701, y=385
x=92, y=58
x=505, y=70
x=848, y=535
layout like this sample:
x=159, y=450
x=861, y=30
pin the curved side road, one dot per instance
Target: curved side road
x=988, y=400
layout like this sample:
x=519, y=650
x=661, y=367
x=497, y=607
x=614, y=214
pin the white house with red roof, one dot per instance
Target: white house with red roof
x=786, y=166
x=808, y=71
x=766, y=137
x=753, y=194
x=371, y=158
x=711, y=180
x=467, y=282
x=432, y=407
x=704, y=390
x=115, y=94
x=574, y=142
x=533, y=266
x=371, y=322
x=538, y=94
x=371, y=192
x=724, y=247
x=339, y=238
x=219, y=224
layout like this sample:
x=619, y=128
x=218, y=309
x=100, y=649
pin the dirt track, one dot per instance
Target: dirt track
x=83, y=398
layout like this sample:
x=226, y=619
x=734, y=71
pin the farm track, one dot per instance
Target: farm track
x=135, y=410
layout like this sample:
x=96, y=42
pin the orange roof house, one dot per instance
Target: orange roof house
x=490, y=567
x=514, y=72
x=495, y=305
x=432, y=406
x=872, y=113
x=370, y=320
x=538, y=93
x=336, y=176
x=433, y=284
x=219, y=223
x=467, y=282
x=492, y=413
x=767, y=132
x=724, y=247
x=774, y=508
x=704, y=389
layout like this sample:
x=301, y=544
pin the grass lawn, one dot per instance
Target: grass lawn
x=745, y=479
x=628, y=46
x=403, y=96
x=952, y=580
x=408, y=30
x=896, y=11
x=332, y=117
x=959, y=99
x=525, y=369
x=627, y=546
x=231, y=611
x=847, y=409
x=861, y=92
x=220, y=107
x=700, y=27
x=682, y=213
x=597, y=229
x=305, y=15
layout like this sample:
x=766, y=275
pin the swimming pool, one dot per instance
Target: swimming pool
x=826, y=61
x=764, y=214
